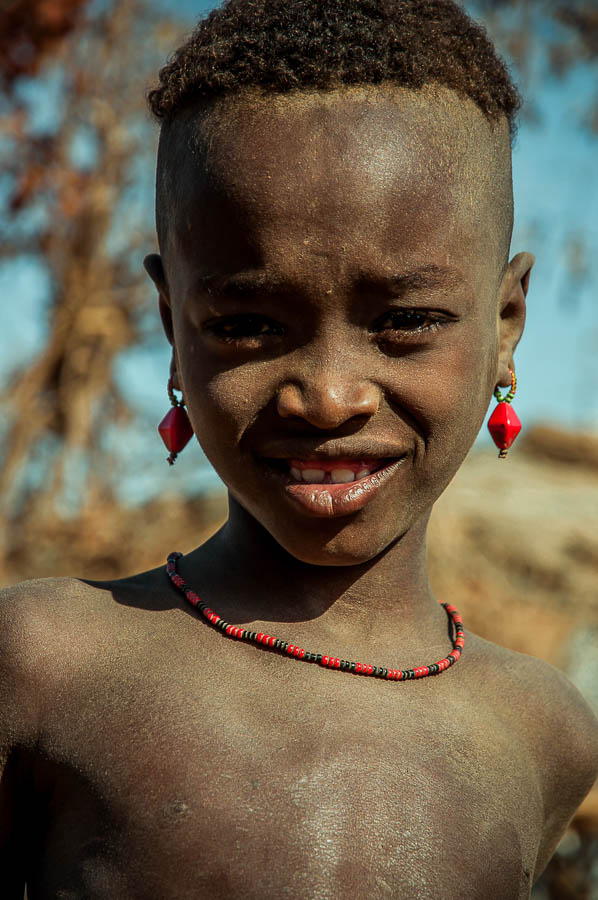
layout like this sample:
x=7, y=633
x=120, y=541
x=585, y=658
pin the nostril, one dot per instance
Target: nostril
x=289, y=402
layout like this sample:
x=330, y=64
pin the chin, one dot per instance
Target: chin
x=348, y=545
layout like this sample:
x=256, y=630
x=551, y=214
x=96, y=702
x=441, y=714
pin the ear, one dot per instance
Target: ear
x=155, y=270
x=511, y=313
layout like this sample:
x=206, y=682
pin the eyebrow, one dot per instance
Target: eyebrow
x=422, y=278
x=251, y=283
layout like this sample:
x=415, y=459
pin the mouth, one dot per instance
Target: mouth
x=332, y=487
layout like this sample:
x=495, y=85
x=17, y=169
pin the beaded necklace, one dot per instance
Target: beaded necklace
x=326, y=660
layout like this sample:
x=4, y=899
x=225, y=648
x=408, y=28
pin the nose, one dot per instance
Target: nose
x=328, y=399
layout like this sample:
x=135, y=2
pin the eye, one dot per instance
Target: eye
x=408, y=322
x=243, y=328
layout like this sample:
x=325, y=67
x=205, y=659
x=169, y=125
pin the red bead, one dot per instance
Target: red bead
x=504, y=425
x=324, y=660
x=175, y=429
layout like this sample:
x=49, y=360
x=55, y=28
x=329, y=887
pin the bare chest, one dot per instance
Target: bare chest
x=209, y=786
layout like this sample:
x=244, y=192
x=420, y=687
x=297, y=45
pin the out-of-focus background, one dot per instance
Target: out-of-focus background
x=84, y=486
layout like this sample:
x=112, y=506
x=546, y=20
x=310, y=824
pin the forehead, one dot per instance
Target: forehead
x=378, y=169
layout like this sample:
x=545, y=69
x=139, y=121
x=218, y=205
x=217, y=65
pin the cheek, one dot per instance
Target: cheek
x=448, y=389
x=222, y=405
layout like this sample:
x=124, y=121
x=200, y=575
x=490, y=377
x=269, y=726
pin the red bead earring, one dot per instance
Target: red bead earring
x=175, y=428
x=504, y=424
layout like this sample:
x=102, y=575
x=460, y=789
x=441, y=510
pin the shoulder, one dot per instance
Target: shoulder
x=31, y=614
x=48, y=622
x=557, y=725
x=547, y=707
x=45, y=621
x=54, y=628
x=25, y=609
x=569, y=728
x=33, y=618
x=568, y=752
x=28, y=608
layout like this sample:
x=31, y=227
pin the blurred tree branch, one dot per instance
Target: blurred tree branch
x=30, y=31
x=68, y=396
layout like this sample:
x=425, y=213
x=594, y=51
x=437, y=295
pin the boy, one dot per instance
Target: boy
x=334, y=211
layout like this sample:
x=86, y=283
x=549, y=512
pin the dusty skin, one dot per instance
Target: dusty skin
x=154, y=758
x=145, y=755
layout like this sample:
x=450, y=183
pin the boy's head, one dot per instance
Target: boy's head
x=349, y=164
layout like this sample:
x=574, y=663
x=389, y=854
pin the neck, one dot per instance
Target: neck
x=248, y=577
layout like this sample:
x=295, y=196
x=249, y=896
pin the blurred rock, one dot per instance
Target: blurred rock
x=572, y=447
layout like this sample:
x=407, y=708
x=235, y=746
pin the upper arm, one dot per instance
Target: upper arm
x=18, y=735
x=570, y=734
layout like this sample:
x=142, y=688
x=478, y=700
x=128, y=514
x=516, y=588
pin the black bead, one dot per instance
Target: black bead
x=352, y=666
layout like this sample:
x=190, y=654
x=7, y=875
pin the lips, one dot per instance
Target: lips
x=333, y=487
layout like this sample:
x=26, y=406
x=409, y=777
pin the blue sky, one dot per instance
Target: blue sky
x=556, y=200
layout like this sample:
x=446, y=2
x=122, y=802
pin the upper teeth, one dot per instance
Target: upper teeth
x=341, y=476
x=337, y=476
x=313, y=475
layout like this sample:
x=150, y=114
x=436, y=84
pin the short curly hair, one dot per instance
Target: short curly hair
x=284, y=45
